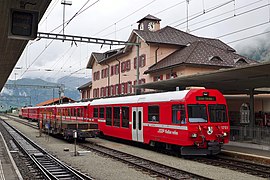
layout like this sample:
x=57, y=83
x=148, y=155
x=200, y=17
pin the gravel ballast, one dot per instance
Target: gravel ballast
x=106, y=168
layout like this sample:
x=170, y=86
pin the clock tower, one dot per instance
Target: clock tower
x=149, y=23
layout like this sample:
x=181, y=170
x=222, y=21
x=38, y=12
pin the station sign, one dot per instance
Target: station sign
x=23, y=24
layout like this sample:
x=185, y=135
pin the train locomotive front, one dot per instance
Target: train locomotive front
x=207, y=122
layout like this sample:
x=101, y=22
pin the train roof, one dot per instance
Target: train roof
x=74, y=104
x=156, y=97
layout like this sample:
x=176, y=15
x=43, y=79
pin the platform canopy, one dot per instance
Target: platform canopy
x=228, y=81
x=11, y=49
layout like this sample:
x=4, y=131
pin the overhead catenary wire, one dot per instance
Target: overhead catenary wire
x=218, y=15
x=244, y=29
x=248, y=37
x=130, y=25
x=230, y=17
x=80, y=11
x=144, y=6
x=53, y=40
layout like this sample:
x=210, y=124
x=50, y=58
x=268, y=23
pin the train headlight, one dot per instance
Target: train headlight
x=225, y=134
x=194, y=135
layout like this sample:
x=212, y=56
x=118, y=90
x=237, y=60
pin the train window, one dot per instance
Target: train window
x=95, y=115
x=217, y=113
x=175, y=109
x=125, y=117
x=134, y=120
x=101, y=112
x=108, y=116
x=153, y=113
x=116, y=116
x=197, y=113
x=140, y=120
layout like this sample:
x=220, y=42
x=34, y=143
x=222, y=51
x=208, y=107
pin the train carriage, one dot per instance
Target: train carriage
x=195, y=120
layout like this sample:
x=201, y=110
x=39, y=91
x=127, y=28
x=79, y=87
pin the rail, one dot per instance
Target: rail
x=48, y=165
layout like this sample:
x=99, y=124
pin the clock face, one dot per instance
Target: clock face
x=151, y=26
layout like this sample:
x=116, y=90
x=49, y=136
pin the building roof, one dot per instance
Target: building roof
x=55, y=100
x=85, y=86
x=149, y=17
x=103, y=57
x=171, y=36
x=201, y=53
x=228, y=81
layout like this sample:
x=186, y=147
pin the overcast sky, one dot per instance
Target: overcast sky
x=115, y=19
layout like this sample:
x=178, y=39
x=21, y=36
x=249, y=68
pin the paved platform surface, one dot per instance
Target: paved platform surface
x=7, y=169
x=248, y=148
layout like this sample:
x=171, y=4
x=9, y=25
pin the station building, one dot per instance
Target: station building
x=167, y=53
x=164, y=53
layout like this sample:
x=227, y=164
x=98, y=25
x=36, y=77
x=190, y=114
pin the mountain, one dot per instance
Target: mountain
x=258, y=50
x=28, y=91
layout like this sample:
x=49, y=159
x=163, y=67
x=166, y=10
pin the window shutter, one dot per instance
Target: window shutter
x=126, y=88
x=112, y=70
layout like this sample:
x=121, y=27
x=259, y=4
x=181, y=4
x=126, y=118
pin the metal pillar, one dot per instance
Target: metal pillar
x=138, y=90
x=252, y=113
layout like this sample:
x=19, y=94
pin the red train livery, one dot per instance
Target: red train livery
x=194, y=121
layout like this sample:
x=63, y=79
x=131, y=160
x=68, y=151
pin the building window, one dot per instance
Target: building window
x=158, y=78
x=111, y=90
x=128, y=65
x=125, y=117
x=116, y=116
x=153, y=113
x=171, y=75
x=123, y=66
x=107, y=91
x=109, y=116
x=142, y=60
x=102, y=92
x=123, y=88
x=116, y=69
x=96, y=76
x=116, y=89
x=129, y=88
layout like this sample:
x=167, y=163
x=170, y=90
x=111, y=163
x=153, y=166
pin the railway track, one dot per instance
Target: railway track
x=151, y=167
x=236, y=165
x=22, y=121
x=221, y=161
x=48, y=166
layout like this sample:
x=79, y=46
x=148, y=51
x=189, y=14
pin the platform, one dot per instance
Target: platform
x=8, y=168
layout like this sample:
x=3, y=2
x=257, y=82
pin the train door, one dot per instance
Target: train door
x=137, y=124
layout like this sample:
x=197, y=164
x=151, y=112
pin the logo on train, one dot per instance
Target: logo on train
x=210, y=130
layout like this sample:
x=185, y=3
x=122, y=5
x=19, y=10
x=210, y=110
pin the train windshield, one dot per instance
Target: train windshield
x=217, y=113
x=197, y=113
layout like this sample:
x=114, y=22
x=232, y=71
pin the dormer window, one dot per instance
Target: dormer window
x=240, y=61
x=215, y=58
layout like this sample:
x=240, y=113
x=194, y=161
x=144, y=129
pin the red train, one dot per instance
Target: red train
x=196, y=120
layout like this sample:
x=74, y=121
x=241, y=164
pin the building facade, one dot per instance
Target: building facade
x=164, y=53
